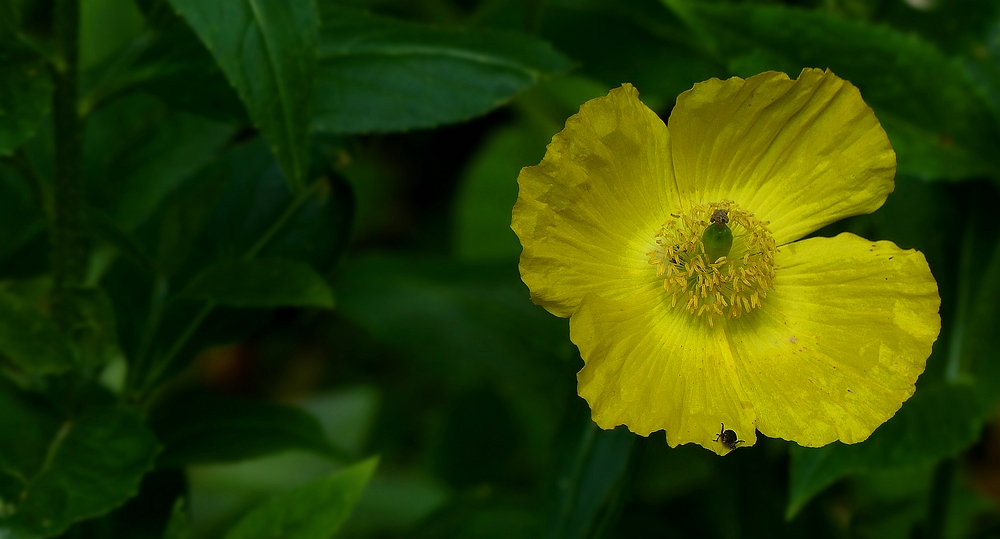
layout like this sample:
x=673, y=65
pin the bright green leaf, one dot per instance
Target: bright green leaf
x=938, y=124
x=204, y=428
x=92, y=464
x=378, y=74
x=937, y=422
x=267, y=49
x=25, y=98
x=268, y=282
x=314, y=511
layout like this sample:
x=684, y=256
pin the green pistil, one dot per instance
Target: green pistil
x=718, y=240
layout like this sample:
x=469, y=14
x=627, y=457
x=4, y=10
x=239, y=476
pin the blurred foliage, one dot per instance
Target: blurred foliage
x=296, y=256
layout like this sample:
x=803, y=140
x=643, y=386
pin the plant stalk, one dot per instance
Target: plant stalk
x=69, y=243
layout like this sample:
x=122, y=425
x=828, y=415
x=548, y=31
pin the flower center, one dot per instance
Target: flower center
x=716, y=258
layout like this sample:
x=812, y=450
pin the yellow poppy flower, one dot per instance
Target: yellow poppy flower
x=672, y=249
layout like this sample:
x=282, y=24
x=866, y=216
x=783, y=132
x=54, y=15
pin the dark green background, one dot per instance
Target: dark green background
x=297, y=311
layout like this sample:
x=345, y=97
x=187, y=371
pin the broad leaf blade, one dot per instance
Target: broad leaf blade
x=267, y=49
x=93, y=464
x=314, y=511
x=938, y=123
x=203, y=428
x=377, y=74
x=272, y=282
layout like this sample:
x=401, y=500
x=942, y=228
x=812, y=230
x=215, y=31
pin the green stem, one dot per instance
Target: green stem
x=161, y=366
x=937, y=509
x=157, y=300
x=283, y=219
x=69, y=246
x=956, y=344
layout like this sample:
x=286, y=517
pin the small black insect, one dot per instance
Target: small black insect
x=720, y=218
x=728, y=438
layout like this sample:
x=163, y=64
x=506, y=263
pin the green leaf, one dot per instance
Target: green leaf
x=640, y=43
x=378, y=74
x=95, y=335
x=25, y=98
x=270, y=282
x=314, y=511
x=178, y=70
x=205, y=428
x=937, y=422
x=92, y=464
x=27, y=425
x=590, y=488
x=938, y=123
x=489, y=190
x=108, y=230
x=464, y=326
x=30, y=338
x=179, y=525
x=137, y=152
x=106, y=27
x=21, y=216
x=267, y=49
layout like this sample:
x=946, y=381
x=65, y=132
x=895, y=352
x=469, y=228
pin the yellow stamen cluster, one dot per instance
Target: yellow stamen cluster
x=727, y=287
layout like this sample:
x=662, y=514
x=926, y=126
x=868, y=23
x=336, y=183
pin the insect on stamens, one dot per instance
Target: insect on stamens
x=720, y=217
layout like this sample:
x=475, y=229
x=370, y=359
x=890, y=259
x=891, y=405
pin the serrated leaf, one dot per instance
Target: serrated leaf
x=269, y=282
x=25, y=98
x=204, y=428
x=314, y=511
x=937, y=422
x=93, y=463
x=938, y=124
x=378, y=74
x=267, y=49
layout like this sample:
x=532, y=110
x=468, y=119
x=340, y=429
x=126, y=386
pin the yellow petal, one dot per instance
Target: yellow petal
x=588, y=213
x=651, y=367
x=800, y=154
x=838, y=344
